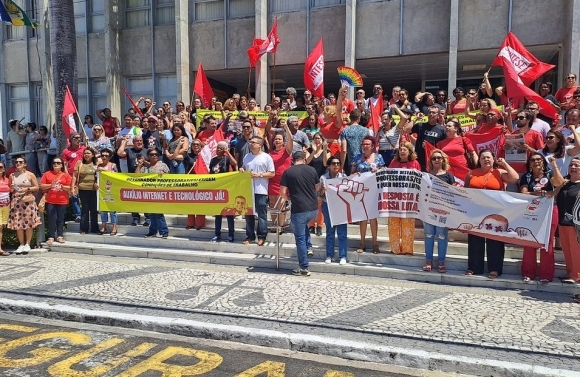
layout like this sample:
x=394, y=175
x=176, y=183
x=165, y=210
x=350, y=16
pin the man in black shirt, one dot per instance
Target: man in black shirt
x=132, y=154
x=431, y=132
x=299, y=184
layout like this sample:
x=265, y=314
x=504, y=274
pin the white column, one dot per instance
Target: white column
x=45, y=66
x=350, y=39
x=453, y=42
x=112, y=62
x=572, y=58
x=261, y=69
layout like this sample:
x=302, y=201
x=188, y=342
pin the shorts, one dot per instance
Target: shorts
x=4, y=214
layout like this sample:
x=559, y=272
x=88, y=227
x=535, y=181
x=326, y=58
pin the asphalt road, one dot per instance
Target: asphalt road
x=31, y=346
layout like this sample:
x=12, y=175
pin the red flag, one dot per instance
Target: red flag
x=516, y=88
x=314, y=71
x=263, y=46
x=68, y=114
x=208, y=152
x=376, y=113
x=202, y=87
x=526, y=66
x=137, y=109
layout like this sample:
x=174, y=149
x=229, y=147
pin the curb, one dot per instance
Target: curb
x=346, y=349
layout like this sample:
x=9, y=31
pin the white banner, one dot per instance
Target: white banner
x=505, y=216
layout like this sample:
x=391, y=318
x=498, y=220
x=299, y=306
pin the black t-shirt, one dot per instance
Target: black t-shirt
x=447, y=178
x=535, y=185
x=219, y=165
x=566, y=199
x=132, y=155
x=429, y=133
x=301, y=181
x=152, y=140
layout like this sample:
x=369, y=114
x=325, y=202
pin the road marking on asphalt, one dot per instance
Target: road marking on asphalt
x=41, y=354
x=208, y=361
x=336, y=373
x=273, y=368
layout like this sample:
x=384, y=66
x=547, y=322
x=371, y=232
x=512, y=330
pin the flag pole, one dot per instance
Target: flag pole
x=274, y=76
x=81, y=124
x=249, y=83
x=192, y=99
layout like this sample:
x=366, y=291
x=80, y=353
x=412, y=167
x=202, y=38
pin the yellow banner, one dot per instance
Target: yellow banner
x=261, y=116
x=178, y=194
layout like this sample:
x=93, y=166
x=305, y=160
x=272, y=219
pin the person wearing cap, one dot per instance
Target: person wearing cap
x=300, y=185
x=72, y=154
x=152, y=138
x=261, y=166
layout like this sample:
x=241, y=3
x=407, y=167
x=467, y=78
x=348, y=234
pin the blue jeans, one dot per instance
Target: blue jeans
x=56, y=214
x=158, y=224
x=76, y=206
x=261, y=204
x=432, y=232
x=176, y=167
x=218, y=226
x=300, y=222
x=340, y=230
x=105, y=217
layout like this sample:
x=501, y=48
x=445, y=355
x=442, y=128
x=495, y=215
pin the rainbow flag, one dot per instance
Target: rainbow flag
x=10, y=12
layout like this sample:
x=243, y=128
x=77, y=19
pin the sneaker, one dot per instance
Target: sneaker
x=77, y=219
x=149, y=235
x=310, y=253
x=301, y=272
x=19, y=250
x=328, y=261
x=146, y=222
x=135, y=222
x=230, y=239
x=215, y=239
x=25, y=249
x=342, y=261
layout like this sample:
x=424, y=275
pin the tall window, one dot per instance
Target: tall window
x=38, y=108
x=241, y=8
x=209, y=10
x=97, y=16
x=99, y=92
x=287, y=5
x=326, y=3
x=16, y=32
x=18, y=106
x=137, y=13
x=165, y=12
x=83, y=105
x=166, y=89
x=139, y=87
x=80, y=10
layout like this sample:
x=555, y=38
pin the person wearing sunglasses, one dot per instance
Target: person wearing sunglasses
x=155, y=165
x=23, y=209
x=98, y=140
x=56, y=184
x=72, y=154
x=4, y=204
x=437, y=166
x=533, y=140
x=108, y=166
x=565, y=95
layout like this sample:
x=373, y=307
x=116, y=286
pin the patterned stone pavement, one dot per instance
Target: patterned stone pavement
x=507, y=320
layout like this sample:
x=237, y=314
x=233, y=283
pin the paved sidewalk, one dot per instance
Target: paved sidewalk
x=538, y=325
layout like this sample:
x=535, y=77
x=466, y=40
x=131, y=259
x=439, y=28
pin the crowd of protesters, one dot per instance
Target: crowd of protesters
x=338, y=137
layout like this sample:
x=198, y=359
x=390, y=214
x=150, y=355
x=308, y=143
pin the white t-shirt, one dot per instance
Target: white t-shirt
x=561, y=162
x=259, y=163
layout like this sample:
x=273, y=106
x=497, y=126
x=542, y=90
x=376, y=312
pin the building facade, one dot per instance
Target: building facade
x=153, y=47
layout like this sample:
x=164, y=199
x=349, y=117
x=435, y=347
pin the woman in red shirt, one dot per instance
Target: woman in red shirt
x=455, y=146
x=4, y=204
x=56, y=184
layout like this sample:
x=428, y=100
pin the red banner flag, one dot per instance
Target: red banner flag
x=137, y=109
x=516, y=88
x=68, y=114
x=512, y=52
x=492, y=140
x=263, y=46
x=376, y=107
x=202, y=87
x=314, y=71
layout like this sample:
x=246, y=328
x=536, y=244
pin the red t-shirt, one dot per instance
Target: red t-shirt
x=282, y=161
x=564, y=95
x=414, y=164
x=347, y=106
x=454, y=148
x=71, y=157
x=332, y=133
x=535, y=140
x=56, y=195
